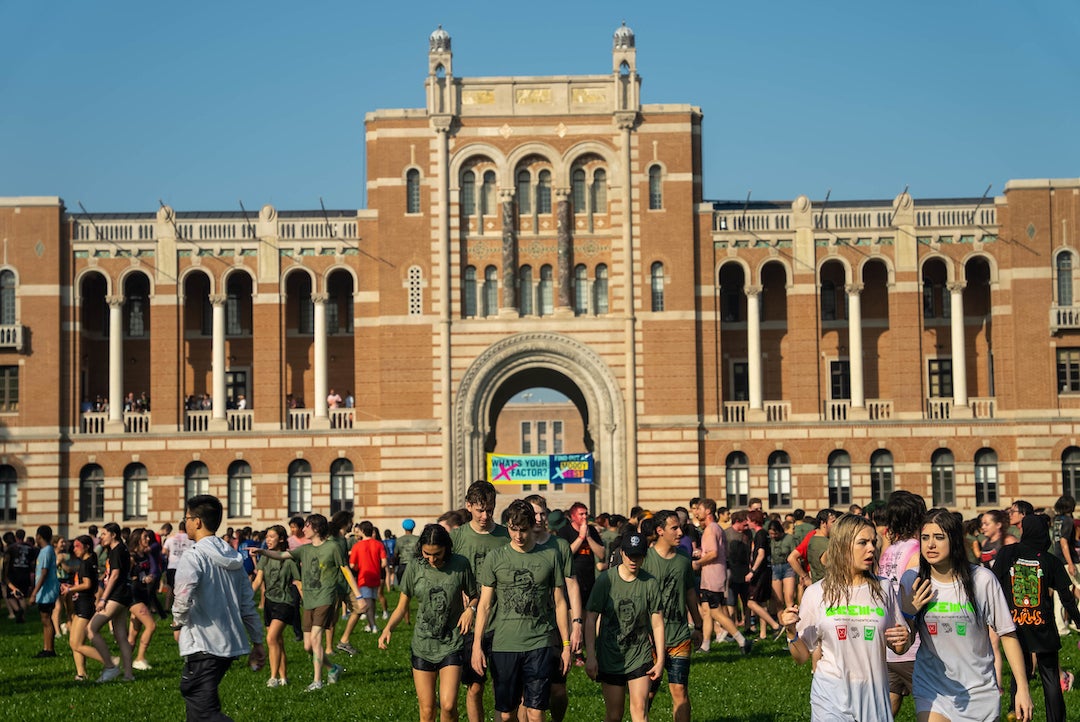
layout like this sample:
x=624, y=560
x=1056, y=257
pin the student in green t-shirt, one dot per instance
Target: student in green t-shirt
x=320, y=574
x=525, y=581
x=626, y=600
x=441, y=581
x=278, y=579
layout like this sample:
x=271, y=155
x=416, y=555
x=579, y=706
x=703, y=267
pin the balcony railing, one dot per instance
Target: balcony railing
x=837, y=409
x=342, y=418
x=197, y=420
x=136, y=422
x=1064, y=317
x=735, y=412
x=299, y=419
x=938, y=409
x=11, y=336
x=777, y=411
x=983, y=408
x=240, y=419
x=879, y=409
x=93, y=422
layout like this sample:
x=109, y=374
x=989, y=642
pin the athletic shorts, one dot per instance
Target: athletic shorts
x=761, y=588
x=713, y=599
x=318, y=617
x=46, y=607
x=521, y=677
x=557, y=676
x=468, y=674
x=621, y=679
x=677, y=665
x=280, y=611
x=454, y=659
x=900, y=674
x=170, y=578
x=737, y=591
x=22, y=583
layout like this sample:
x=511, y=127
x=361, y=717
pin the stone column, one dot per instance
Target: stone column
x=564, y=224
x=624, y=499
x=217, y=358
x=959, y=356
x=753, y=346
x=442, y=125
x=855, y=349
x=116, y=363
x=322, y=417
x=509, y=300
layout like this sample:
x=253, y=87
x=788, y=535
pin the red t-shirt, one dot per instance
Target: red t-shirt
x=366, y=558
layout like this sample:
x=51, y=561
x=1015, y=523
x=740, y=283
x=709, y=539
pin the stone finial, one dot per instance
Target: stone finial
x=624, y=37
x=440, y=41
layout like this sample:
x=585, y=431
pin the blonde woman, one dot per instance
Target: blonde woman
x=854, y=615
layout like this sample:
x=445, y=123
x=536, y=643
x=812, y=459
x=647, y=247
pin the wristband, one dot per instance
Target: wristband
x=566, y=643
x=794, y=639
x=909, y=617
x=577, y=620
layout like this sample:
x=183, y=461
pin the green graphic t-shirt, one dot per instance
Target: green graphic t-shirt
x=475, y=547
x=674, y=577
x=320, y=572
x=524, y=584
x=439, y=594
x=406, y=549
x=625, y=640
x=278, y=576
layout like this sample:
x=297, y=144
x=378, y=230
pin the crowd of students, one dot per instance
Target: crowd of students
x=886, y=602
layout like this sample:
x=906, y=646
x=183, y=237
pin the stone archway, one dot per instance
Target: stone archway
x=600, y=400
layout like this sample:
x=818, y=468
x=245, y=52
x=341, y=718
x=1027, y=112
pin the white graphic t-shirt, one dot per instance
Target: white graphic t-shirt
x=851, y=680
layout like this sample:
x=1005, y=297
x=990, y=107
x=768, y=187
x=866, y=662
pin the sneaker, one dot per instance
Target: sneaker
x=747, y=645
x=273, y=682
x=109, y=675
x=333, y=674
x=44, y=654
x=141, y=664
x=346, y=648
x=373, y=629
x=80, y=678
x=313, y=687
x=385, y=614
x=721, y=637
x=1067, y=679
x=282, y=682
x=63, y=629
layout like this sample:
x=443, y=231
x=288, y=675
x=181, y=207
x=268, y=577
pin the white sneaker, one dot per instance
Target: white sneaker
x=109, y=675
x=385, y=614
x=273, y=682
x=141, y=664
x=313, y=687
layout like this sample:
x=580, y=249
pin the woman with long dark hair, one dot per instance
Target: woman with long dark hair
x=851, y=680
x=440, y=580
x=954, y=666
x=112, y=607
x=82, y=589
x=278, y=577
x=145, y=576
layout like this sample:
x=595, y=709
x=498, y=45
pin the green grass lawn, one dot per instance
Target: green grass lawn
x=377, y=685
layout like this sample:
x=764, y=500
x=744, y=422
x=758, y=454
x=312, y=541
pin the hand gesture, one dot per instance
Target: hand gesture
x=479, y=663
x=657, y=670
x=1025, y=710
x=789, y=617
x=922, y=591
x=591, y=668
x=897, y=638
x=384, y=638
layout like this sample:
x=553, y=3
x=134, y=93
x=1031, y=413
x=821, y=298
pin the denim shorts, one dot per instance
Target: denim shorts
x=782, y=570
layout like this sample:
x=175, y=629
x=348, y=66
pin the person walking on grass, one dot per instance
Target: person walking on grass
x=320, y=563
x=214, y=615
x=145, y=576
x=83, y=588
x=443, y=583
x=279, y=579
x=112, y=607
x=712, y=565
x=46, y=589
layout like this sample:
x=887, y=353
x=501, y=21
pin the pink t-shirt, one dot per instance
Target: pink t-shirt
x=894, y=561
x=714, y=574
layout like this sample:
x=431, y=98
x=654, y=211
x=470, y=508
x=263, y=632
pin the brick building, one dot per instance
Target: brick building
x=537, y=232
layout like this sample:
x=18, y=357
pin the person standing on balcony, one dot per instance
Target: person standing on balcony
x=333, y=399
x=241, y=402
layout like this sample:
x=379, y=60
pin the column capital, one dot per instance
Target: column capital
x=626, y=120
x=956, y=286
x=442, y=123
x=320, y=297
x=753, y=290
x=853, y=289
x=506, y=195
x=562, y=192
x=218, y=299
x=114, y=301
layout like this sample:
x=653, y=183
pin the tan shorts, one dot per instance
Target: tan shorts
x=318, y=617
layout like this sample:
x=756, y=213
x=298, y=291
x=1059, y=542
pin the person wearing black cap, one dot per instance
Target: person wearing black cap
x=626, y=600
x=1028, y=572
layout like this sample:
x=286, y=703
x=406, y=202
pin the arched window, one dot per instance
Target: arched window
x=416, y=291
x=91, y=493
x=881, y=475
x=1064, y=278
x=469, y=292
x=543, y=192
x=136, y=492
x=986, y=477
x=779, y=479
x=525, y=291
x=341, y=486
x=599, y=192
x=581, y=290
x=943, y=478
x=299, y=487
x=412, y=191
x=491, y=291
x=578, y=187
x=738, y=480
x=839, y=478
x=468, y=193
x=9, y=494
x=487, y=195
x=658, y=286
x=547, y=291
x=524, y=193
x=7, y=298
x=1070, y=472
x=196, y=479
x=656, y=194
x=239, y=489
x=828, y=301
x=600, y=290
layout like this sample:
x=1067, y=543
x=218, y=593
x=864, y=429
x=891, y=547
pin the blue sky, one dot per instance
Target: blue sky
x=118, y=104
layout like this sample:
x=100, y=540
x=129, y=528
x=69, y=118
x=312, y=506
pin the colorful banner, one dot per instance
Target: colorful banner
x=553, y=469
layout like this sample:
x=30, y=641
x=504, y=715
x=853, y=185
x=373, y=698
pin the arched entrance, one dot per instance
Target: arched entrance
x=553, y=361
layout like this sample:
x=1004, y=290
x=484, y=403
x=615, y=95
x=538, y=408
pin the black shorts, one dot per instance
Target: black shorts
x=557, y=676
x=521, y=678
x=140, y=594
x=281, y=611
x=46, y=607
x=21, y=583
x=468, y=674
x=454, y=659
x=737, y=591
x=170, y=578
x=761, y=586
x=714, y=599
x=623, y=678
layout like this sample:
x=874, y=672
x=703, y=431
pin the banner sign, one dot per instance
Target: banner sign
x=553, y=469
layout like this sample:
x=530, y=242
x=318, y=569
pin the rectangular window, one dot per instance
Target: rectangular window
x=1068, y=370
x=881, y=482
x=986, y=485
x=779, y=486
x=940, y=378
x=556, y=431
x=840, y=380
x=136, y=316
x=943, y=486
x=9, y=388
x=235, y=386
x=9, y=501
x=526, y=437
x=839, y=485
x=541, y=437
x=738, y=487
x=233, y=327
x=740, y=381
x=240, y=496
x=306, y=315
x=92, y=500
